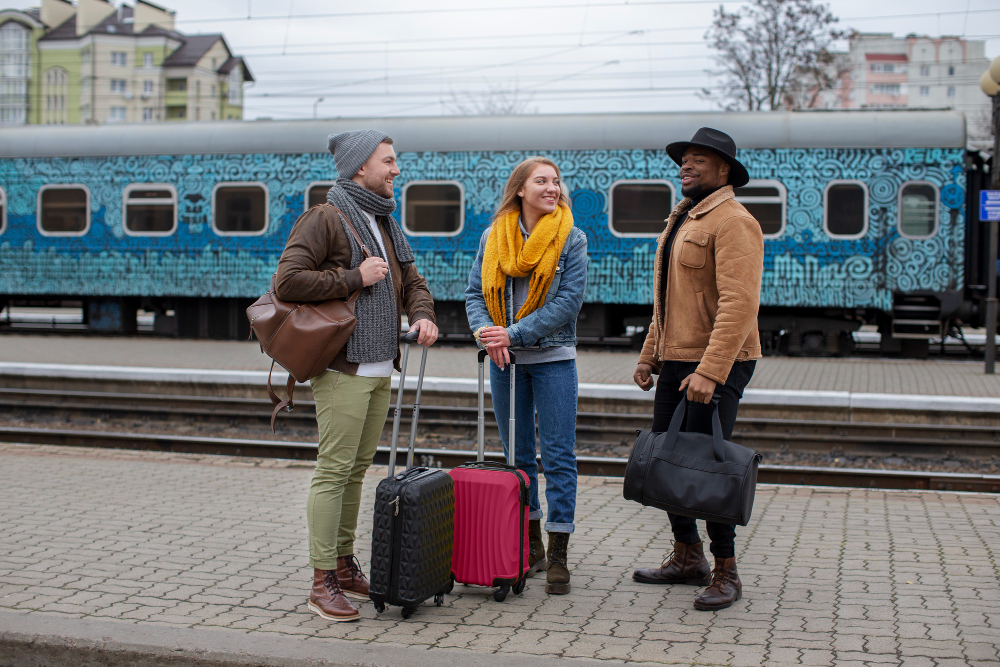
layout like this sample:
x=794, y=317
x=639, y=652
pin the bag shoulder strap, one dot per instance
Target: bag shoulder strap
x=280, y=404
x=354, y=231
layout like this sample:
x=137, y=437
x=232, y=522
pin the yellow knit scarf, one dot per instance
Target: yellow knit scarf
x=507, y=253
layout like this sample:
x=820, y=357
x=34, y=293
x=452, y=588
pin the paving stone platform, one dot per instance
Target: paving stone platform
x=854, y=374
x=188, y=556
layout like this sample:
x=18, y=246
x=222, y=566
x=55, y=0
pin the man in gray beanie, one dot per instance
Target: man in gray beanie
x=348, y=244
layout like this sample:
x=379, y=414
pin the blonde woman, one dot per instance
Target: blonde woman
x=525, y=292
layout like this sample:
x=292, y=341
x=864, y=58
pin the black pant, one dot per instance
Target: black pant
x=699, y=420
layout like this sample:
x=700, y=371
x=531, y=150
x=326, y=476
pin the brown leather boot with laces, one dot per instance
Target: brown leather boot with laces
x=327, y=599
x=352, y=580
x=685, y=565
x=536, y=547
x=725, y=588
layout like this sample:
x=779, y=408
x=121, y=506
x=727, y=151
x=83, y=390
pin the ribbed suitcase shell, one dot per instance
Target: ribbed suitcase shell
x=488, y=506
x=411, y=549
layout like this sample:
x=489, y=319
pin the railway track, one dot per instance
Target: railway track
x=443, y=458
x=596, y=431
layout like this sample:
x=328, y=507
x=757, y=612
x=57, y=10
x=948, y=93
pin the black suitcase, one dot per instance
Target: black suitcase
x=412, y=532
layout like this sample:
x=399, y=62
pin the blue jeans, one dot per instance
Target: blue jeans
x=550, y=390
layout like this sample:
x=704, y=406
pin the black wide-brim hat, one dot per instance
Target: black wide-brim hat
x=718, y=142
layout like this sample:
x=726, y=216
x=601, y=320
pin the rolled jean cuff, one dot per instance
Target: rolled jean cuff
x=551, y=527
x=535, y=514
x=320, y=564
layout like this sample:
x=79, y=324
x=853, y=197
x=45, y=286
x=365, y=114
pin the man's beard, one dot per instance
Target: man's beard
x=693, y=191
x=378, y=186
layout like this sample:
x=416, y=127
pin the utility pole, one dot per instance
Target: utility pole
x=990, y=83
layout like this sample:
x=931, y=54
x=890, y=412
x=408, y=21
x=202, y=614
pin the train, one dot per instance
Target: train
x=867, y=216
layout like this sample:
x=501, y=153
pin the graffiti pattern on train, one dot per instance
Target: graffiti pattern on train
x=804, y=266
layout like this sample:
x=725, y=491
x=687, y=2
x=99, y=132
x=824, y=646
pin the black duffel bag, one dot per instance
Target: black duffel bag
x=693, y=474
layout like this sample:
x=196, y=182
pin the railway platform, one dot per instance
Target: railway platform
x=119, y=557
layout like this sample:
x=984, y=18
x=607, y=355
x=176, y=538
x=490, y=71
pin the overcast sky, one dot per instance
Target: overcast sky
x=396, y=57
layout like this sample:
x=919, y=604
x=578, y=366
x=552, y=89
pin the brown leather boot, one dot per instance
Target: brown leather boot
x=686, y=565
x=536, y=547
x=353, y=581
x=557, y=573
x=327, y=599
x=725, y=588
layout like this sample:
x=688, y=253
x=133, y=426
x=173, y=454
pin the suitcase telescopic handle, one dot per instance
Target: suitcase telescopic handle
x=481, y=449
x=407, y=339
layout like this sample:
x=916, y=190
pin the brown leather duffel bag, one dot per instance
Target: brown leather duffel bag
x=303, y=338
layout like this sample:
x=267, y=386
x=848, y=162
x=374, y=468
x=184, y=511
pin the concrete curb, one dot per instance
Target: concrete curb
x=41, y=641
x=761, y=397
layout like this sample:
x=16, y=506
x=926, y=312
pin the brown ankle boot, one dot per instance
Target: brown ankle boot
x=352, y=580
x=327, y=599
x=725, y=588
x=686, y=565
x=536, y=547
x=557, y=573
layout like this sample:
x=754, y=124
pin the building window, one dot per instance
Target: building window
x=239, y=209
x=893, y=89
x=118, y=85
x=147, y=115
x=925, y=70
x=918, y=210
x=15, y=56
x=765, y=200
x=56, y=89
x=235, y=87
x=63, y=210
x=147, y=87
x=177, y=85
x=884, y=68
x=119, y=58
x=433, y=208
x=176, y=113
x=951, y=71
x=3, y=211
x=951, y=91
x=85, y=56
x=149, y=209
x=147, y=60
x=316, y=193
x=639, y=208
x=925, y=91
x=845, y=209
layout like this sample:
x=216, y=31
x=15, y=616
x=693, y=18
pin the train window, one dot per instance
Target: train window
x=765, y=200
x=845, y=209
x=3, y=211
x=63, y=210
x=149, y=209
x=639, y=208
x=433, y=208
x=316, y=193
x=918, y=210
x=239, y=209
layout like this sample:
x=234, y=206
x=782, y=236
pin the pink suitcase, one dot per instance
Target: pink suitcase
x=491, y=514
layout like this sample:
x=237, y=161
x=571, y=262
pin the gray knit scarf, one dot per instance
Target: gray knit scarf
x=376, y=337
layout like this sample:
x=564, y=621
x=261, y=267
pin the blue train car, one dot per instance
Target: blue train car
x=863, y=213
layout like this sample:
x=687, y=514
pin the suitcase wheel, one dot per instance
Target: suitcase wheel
x=407, y=612
x=379, y=607
x=439, y=599
x=500, y=594
x=519, y=586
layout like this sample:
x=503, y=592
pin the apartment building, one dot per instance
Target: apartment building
x=94, y=63
x=881, y=71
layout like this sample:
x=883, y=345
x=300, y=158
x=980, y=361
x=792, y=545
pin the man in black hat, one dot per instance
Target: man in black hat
x=703, y=338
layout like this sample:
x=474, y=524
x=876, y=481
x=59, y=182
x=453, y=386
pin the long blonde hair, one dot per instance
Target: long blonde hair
x=510, y=200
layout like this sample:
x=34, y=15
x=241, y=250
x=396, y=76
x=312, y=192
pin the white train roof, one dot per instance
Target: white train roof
x=812, y=129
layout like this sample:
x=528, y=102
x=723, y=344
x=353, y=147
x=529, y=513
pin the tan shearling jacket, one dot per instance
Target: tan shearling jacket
x=705, y=308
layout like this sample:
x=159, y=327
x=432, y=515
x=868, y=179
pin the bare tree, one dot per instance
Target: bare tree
x=496, y=100
x=774, y=54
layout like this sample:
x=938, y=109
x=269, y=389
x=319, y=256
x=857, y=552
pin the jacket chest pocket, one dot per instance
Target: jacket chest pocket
x=694, y=250
x=556, y=279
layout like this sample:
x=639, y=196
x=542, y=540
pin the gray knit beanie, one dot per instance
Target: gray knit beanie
x=352, y=149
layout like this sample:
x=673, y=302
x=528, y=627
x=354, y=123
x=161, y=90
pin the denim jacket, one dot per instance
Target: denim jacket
x=554, y=323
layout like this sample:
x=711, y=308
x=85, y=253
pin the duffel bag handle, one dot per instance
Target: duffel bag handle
x=678, y=419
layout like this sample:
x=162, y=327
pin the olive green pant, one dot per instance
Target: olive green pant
x=351, y=412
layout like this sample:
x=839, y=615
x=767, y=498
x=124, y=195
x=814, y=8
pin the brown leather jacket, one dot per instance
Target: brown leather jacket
x=315, y=266
x=708, y=312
